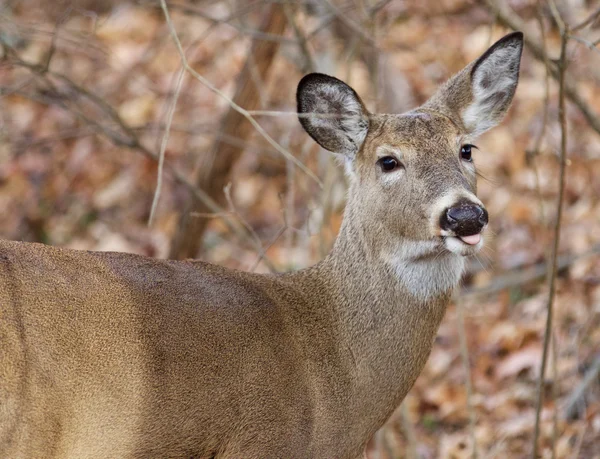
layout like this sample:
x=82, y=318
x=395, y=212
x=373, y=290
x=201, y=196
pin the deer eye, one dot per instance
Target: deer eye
x=388, y=163
x=465, y=152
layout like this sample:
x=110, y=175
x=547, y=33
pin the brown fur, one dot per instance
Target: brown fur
x=118, y=355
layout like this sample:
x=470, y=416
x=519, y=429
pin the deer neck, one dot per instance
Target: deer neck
x=389, y=300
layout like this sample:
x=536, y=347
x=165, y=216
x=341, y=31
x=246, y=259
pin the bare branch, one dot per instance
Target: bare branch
x=163, y=145
x=257, y=34
x=562, y=66
x=590, y=20
x=125, y=135
x=223, y=155
x=510, y=19
x=263, y=251
x=409, y=431
x=356, y=28
x=309, y=62
x=533, y=153
x=464, y=353
x=231, y=103
x=524, y=276
x=575, y=398
x=588, y=44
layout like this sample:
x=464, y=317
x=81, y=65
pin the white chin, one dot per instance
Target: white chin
x=456, y=245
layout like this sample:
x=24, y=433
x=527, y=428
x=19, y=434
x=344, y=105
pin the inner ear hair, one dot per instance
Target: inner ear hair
x=494, y=77
x=340, y=122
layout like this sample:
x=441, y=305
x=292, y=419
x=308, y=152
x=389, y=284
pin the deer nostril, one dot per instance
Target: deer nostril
x=449, y=220
x=464, y=219
x=454, y=214
x=483, y=217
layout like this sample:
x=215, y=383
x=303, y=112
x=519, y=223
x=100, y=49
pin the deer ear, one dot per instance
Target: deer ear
x=334, y=114
x=479, y=96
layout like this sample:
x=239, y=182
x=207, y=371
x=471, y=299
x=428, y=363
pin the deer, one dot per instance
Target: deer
x=124, y=356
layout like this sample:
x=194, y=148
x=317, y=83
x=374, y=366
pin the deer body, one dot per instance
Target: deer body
x=118, y=355
x=190, y=354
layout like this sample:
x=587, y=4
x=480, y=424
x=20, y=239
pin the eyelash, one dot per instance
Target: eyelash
x=465, y=152
x=389, y=164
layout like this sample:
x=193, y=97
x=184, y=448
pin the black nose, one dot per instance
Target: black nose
x=465, y=219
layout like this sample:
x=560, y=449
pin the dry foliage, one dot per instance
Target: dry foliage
x=84, y=92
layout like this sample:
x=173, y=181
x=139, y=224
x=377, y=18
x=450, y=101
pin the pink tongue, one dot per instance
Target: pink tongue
x=471, y=240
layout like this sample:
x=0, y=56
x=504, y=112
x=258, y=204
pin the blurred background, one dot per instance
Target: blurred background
x=96, y=105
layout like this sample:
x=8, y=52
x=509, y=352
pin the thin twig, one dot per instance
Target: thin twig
x=219, y=164
x=464, y=353
x=555, y=393
x=508, y=18
x=592, y=46
x=130, y=140
x=278, y=113
x=562, y=66
x=538, y=141
x=257, y=243
x=571, y=406
x=345, y=19
x=379, y=6
x=590, y=20
x=229, y=21
x=409, y=431
x=309, y=62
x=579, y=444
x=526, y=275
x=54, y=39
x=126, y=138
x=231, y=103
x=233, y=210
x=163, y=145
x=534, y=153
x=264, y=250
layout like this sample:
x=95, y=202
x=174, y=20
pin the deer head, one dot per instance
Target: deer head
x=412, y=176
